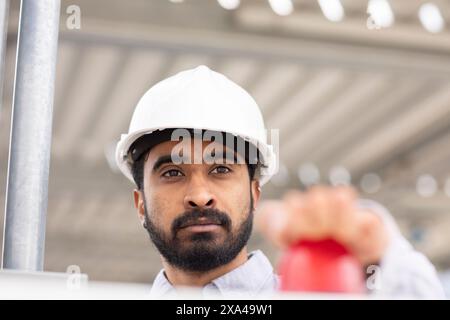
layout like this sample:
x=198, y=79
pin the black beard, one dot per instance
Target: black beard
x=206, y=253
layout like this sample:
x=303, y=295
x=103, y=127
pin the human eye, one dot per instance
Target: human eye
x=172, y=173
x=221, y=170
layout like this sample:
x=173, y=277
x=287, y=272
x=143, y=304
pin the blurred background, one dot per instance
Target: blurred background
x=358, y=98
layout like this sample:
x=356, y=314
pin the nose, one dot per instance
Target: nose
x=199, y=196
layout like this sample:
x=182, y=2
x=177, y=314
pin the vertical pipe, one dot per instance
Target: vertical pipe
x=4, y=12
x=29, y=153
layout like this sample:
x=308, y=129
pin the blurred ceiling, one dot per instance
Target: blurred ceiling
x=371, y=101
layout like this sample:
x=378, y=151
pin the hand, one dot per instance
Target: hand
x=321, y=213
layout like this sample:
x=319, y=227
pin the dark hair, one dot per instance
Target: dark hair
x=137, y=170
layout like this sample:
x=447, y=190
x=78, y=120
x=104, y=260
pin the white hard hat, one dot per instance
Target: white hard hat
x=198, y=98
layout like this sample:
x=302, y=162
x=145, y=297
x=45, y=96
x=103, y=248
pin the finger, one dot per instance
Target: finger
x=272, y=220
x=350, y=191
x=297, y=227
x=295, y=204
x=318, y=209
x=373, y=238
x=294, y=198
x=265, y=214
x=345, y=212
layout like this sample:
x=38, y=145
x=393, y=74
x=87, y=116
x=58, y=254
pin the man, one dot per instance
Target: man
x=197, y=151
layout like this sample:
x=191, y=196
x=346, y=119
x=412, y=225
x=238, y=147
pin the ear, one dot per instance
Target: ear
x=139, y=204
x=256, y=192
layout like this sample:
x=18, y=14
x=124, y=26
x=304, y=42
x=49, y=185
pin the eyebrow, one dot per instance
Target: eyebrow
x=162, y=160
x=228, y=155
x=166, y=159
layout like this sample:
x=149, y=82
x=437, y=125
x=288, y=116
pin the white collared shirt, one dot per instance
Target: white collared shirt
x=255, y=277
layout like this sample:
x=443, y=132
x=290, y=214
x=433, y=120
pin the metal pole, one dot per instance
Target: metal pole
x=29, y=155
x=4, y=11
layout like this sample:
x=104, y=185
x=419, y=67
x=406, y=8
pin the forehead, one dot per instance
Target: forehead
x=194, y=146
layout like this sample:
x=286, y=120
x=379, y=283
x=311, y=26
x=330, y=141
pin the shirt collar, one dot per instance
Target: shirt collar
x=255, y=276
x=251, y=277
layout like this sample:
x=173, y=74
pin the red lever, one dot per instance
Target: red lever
x=324, y=266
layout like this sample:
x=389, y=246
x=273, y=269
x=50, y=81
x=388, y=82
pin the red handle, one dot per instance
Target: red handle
x=323, y=266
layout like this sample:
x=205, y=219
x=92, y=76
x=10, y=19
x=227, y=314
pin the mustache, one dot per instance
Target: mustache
x=199, y=216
